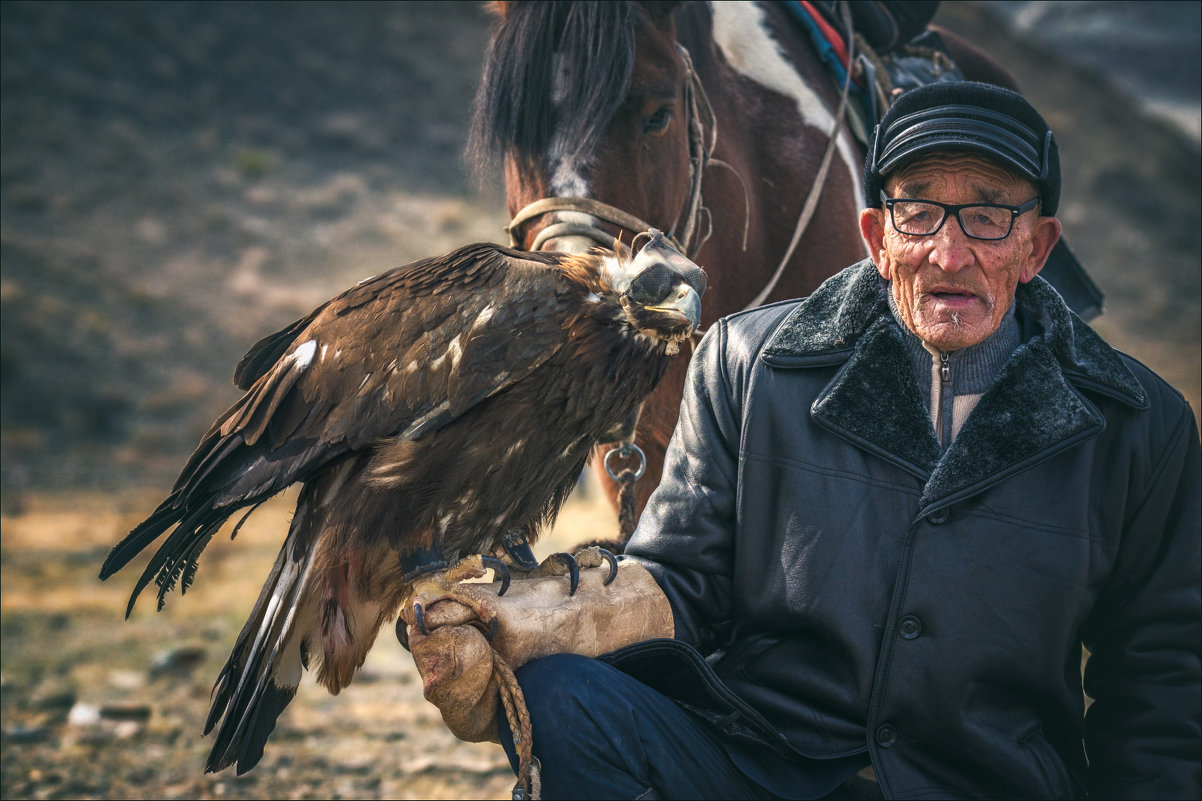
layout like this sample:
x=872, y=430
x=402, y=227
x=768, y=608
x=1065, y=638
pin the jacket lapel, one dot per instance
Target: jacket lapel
x=1029, y=414
x=1032, y=412
x=874, y=401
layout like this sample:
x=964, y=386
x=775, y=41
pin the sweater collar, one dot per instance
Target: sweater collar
x=973, y=369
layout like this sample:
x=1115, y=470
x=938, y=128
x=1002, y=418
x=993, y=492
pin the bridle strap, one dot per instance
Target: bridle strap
x=586, y=205
x=699, y=116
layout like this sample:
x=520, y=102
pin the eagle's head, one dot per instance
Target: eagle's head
x=660, y=291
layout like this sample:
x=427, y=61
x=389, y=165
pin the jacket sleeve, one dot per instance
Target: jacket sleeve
x=1143, y=732
x=685, y=536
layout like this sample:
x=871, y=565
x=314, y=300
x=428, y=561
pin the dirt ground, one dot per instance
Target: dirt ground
x=209, y=188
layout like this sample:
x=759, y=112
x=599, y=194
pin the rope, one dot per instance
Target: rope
x=626, y=504
x=529, y=783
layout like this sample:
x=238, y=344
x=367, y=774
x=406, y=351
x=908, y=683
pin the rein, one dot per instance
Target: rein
x=811, y=204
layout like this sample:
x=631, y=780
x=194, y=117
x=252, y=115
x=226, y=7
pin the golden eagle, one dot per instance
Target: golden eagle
x=430, y=412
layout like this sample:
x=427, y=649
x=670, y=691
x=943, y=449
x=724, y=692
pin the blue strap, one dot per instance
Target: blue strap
x=826, y=52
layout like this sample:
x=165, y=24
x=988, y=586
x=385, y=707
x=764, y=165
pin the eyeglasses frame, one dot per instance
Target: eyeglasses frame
x=950, y=210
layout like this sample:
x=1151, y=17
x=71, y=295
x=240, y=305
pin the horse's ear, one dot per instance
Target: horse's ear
x=658, y=13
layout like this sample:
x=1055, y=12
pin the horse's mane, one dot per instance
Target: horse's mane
x=514, y=111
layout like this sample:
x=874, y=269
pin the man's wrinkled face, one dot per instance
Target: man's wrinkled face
x=951, y=290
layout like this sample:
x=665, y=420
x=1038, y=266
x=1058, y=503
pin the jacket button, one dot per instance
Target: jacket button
x=909, y=627
x=938, y=517
x=886, y=735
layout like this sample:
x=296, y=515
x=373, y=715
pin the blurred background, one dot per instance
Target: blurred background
x=180, y=179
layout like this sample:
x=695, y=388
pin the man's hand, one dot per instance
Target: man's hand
x=456, y=665
x=536, y=617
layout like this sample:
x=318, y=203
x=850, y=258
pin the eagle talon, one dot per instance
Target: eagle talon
x=501, y=571
x=492, y=630
x=573, y=568
x=596, y=556
x=419, y=619
x=613, y=566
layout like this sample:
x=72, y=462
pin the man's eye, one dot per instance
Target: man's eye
x=984, y=220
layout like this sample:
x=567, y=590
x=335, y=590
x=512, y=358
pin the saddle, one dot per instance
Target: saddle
x=896, y=50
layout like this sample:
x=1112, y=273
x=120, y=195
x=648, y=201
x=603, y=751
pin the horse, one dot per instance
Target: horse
x=714, y=122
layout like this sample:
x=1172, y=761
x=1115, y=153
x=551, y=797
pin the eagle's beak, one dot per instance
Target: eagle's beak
x=684, y=301
x=665, y=281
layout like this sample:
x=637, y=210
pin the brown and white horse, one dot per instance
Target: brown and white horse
x=709, y=121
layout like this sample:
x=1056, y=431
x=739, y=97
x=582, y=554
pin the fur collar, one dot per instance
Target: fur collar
x=1035, y=409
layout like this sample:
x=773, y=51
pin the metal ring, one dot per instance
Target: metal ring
x=625, y=451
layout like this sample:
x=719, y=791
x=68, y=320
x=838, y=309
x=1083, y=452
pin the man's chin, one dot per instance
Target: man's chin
x=948, y=333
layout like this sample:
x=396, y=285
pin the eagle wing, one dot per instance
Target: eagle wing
x=396, y=356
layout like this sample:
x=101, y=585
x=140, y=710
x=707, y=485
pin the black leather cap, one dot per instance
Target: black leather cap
x=965, y=116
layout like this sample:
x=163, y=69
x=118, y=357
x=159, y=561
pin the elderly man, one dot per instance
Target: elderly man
x=891, y=515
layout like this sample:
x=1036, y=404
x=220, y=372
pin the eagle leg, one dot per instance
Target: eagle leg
x=442, y=585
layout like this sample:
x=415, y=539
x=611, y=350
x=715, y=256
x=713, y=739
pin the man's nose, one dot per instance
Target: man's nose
x=950, y=249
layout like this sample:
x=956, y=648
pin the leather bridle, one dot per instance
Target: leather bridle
x=698, y=117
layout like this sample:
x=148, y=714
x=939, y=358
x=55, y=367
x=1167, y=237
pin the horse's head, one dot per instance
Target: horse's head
x=597, y=117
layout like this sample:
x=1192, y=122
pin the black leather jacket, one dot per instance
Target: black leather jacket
x=862, y=591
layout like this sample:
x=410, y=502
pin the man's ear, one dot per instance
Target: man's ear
x=1044, y=235
x=872, y=228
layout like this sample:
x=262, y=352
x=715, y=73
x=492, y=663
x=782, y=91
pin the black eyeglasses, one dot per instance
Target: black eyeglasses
x=977, y=220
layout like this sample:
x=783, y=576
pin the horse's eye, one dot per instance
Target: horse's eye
x=658, y=121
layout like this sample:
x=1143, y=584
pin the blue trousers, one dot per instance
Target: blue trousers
x=600, y=733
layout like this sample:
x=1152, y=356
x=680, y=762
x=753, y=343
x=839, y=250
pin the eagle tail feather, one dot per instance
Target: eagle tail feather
x=146, y=532
x=272, y=703
x=263, y=671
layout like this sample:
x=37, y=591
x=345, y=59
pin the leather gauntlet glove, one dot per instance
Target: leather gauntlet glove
x=535, y=617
